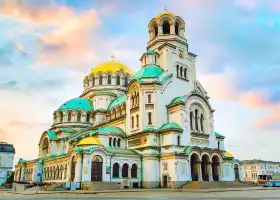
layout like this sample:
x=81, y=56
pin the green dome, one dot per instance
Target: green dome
x=117, y=101
x=77, y=104
x=150, y=52
x=150, y=71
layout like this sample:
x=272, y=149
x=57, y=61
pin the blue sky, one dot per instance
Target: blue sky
x=48, y=46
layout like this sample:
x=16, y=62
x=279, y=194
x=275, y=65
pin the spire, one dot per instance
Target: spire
x=113, y=57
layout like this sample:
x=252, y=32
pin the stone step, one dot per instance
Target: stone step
x=214, y=184
x=101, y=186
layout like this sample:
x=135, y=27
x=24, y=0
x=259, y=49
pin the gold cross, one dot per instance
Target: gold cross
x=165, y=9
x=113, y=57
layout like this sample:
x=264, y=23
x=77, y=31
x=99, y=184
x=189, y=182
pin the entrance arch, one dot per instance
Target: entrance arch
x=96, y=168
x=73, y=168
x=236, y=172
x=215, y=167
x=194, y=167
x=205, y=167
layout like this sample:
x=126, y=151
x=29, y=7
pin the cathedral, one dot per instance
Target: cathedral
x=151, y=128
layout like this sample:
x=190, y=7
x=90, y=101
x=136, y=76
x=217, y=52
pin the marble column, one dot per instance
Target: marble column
x=22, y=173
x=78, y=176
x=199, y=171
x=172, y=28
x=210, y=171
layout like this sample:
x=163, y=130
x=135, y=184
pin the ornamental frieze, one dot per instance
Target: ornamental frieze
x=199, y=141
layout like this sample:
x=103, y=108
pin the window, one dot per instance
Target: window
x=88, y=117
x=149, y=98
x=156, y=30
x=134, y=171
x=100, y=80
x=137, y=121
x=166, y=27
x=61, y=116
x=69, y=116
x=109, y=79
x=79, y=115
x=181, y=72
x=116, y=170
x=176, y=28
x=219, y=145
x=201, y=123
x=45, y=147
x=149, y=118
x=114, y=142
x=125, y=170
x=132, y=122
x=118, y=80
x=177, y=70
x=145, y=60
x=191, y=120
x=196, y=120
x=110, y=141
x=185, y=73
x=119, y=142
x=93, y=81
x=155, y=59
x=178, y=140
x=125, y=81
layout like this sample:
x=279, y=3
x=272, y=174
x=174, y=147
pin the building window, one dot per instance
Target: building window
x=109, y=79
x=116, y=170
x=61, y=117
x=149, y=118
x=176, y=28
x=119, y=142
x=219, y=145
x=125, y=81
x=69, y=116
x=88, y=117
x=178, y=140
x=196, y=119
x=166, y=27
x=79, y=115
x=155, y=59
x=100, y=80
x=132, y=122
x=191, y=120
x=177, y=70
x=181, y=72
x=134, y=171
x=118, y=80
x=149, y=98
x=137, y=121
x=201, y=122
x=125, y=170
x=110, y=141
x=93, y=81
x=114, y=142
x=185, y=73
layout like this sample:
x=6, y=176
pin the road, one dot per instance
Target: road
x=237, y=195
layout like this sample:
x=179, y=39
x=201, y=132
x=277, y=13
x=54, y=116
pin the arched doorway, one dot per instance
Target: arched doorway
x=73, y=168
x=194, y=167
x=215, y=168
x=96, y=168
x=236, y=172
x=205, y=167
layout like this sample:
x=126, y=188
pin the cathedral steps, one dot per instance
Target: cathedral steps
x=100, y=186
x=214, y=184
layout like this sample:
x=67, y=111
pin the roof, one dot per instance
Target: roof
x=51, y=135
x=178, y=100
x=219, y=135
x=111, y=66
x=165, y=13
x=117, y=101
x=150, y=52
x=170, y=126
x=228, y=155
x=90, y=141
x=7, y=148
x=77, y=103
x=149, y=71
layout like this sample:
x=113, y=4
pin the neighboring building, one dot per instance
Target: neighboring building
x=7, y=153
x=253, y=170
x=153, y=128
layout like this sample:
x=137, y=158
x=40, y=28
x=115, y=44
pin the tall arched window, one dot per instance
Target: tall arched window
x=156, y=30
x=145, y=60
x=137, y=121
x=116, y=170
x=118, y=80
x=69, y=116
x=155, y=59
x=110, y=141
x=100, y=80
x=114, y=142
x=191, y=120
x=79, y=116
x=149, y=98
x=125, y=81
x=178, y=140
x=93, y=81
x=109, y=79
x=132, y=122
x=125, y=170
x=201, y=122
x=137, y=98
x=149, y=118
x=166, y=27
x=196, y=119
x=88, y=117
x=176, y=28
x=185, y=73
x=134, y=171
x=45, y=146
x=181, y=72
x=132, y=103
x=61, y=116
x=119, y=142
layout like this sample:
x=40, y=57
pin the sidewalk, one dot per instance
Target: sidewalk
x=145, y=190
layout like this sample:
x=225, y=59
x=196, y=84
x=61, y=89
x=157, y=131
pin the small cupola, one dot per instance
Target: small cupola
x=150, y=57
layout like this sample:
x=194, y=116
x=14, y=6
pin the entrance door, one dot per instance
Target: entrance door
x=165, y=179
x=96, y=168
x=236, y=172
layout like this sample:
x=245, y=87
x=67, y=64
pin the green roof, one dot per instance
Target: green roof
x=149, y=71
x=78, y=132
x=117, y=101
x=77, y=103
x=170, y=126
x=177, y=100
x=52, y=135
x=188, y=150
x=219, y=135
x=150, y=52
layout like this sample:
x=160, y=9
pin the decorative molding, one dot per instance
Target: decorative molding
x=199, y=141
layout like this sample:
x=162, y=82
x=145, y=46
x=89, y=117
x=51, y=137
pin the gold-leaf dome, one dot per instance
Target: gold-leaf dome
x=229, y=155
x=90, y=141
x=166, y=12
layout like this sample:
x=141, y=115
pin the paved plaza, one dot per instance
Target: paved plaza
x=155, y=195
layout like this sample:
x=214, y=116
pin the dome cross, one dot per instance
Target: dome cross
x=165, y=9
x=113, y=57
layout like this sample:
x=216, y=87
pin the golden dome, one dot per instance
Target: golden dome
x=90, y=141
x=111, y=66
x=229, y=155
x=165, y=13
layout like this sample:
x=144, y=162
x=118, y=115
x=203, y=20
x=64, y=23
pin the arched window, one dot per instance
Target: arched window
x=125, y=170
x=218, y=144
x=69, y=116
x=65, y=171
x=156, y=30
x=176, y=28
x=134, y=171
x=132, y=104
x=191, y=120
x=132, y=122
x=109, y=79
x=155, y=59
x=201, y=122
x=79, y=116
x=119, y=142
x=166, y=27
x=93, y=81
x=145, y=60
x=125, y=81
x=61, y=172
x=100, y=80
x=61, y=116
x=114, y=142
x=45, y=147
x=185, y=73
x=137, y=98
x=178, y=140
x=137, y=121
x=149, y=118
x=116, y=170
x=88, y=117
x=181, y=72
x=110, y=141
x=177, y=70
x=149, y=98
x=196, y=120
x=118, y=80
